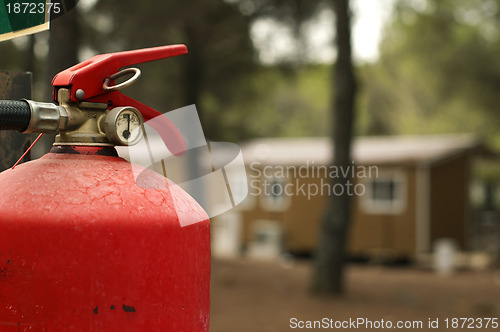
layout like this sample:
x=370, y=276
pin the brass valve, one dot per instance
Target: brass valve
x=85, y=123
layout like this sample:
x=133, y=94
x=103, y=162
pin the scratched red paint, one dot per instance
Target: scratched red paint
x=80, y=241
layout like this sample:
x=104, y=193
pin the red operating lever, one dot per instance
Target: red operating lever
x=85, y=83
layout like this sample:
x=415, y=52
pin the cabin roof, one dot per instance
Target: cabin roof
x=366, y=150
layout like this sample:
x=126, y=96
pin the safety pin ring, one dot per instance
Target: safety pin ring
x=135, y=71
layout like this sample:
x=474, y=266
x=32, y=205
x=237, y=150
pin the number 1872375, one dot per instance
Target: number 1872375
x=471, y=323
x=32, y=8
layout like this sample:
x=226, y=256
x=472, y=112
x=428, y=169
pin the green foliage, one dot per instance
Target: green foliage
x=439, y=70
x=274, y=101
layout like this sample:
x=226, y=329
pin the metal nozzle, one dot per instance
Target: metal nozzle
x=46, y=118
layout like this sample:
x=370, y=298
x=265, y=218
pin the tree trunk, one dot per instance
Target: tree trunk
x=330, y=256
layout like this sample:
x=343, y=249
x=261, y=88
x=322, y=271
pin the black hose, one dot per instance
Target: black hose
x=14, y=115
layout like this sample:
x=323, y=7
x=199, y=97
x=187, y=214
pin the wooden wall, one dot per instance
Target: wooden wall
x=386, y=235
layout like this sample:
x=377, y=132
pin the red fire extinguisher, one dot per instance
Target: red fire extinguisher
x=83, y=246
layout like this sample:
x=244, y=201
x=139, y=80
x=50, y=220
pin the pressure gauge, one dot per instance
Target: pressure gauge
x=123, y=126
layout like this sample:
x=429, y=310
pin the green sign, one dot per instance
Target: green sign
x=19, y=18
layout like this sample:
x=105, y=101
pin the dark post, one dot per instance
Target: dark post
x=14, y=86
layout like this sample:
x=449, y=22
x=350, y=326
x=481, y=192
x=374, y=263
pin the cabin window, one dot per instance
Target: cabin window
x=385, y=194
x=274, y=195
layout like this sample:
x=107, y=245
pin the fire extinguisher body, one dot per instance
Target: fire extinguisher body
x=83, y=247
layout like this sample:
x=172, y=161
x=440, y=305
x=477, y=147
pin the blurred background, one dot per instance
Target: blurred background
x=422, y=241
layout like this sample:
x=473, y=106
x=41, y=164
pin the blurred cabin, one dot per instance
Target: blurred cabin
x=408, y=192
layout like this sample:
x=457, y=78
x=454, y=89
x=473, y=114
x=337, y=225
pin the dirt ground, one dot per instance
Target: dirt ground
x=259, y=297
